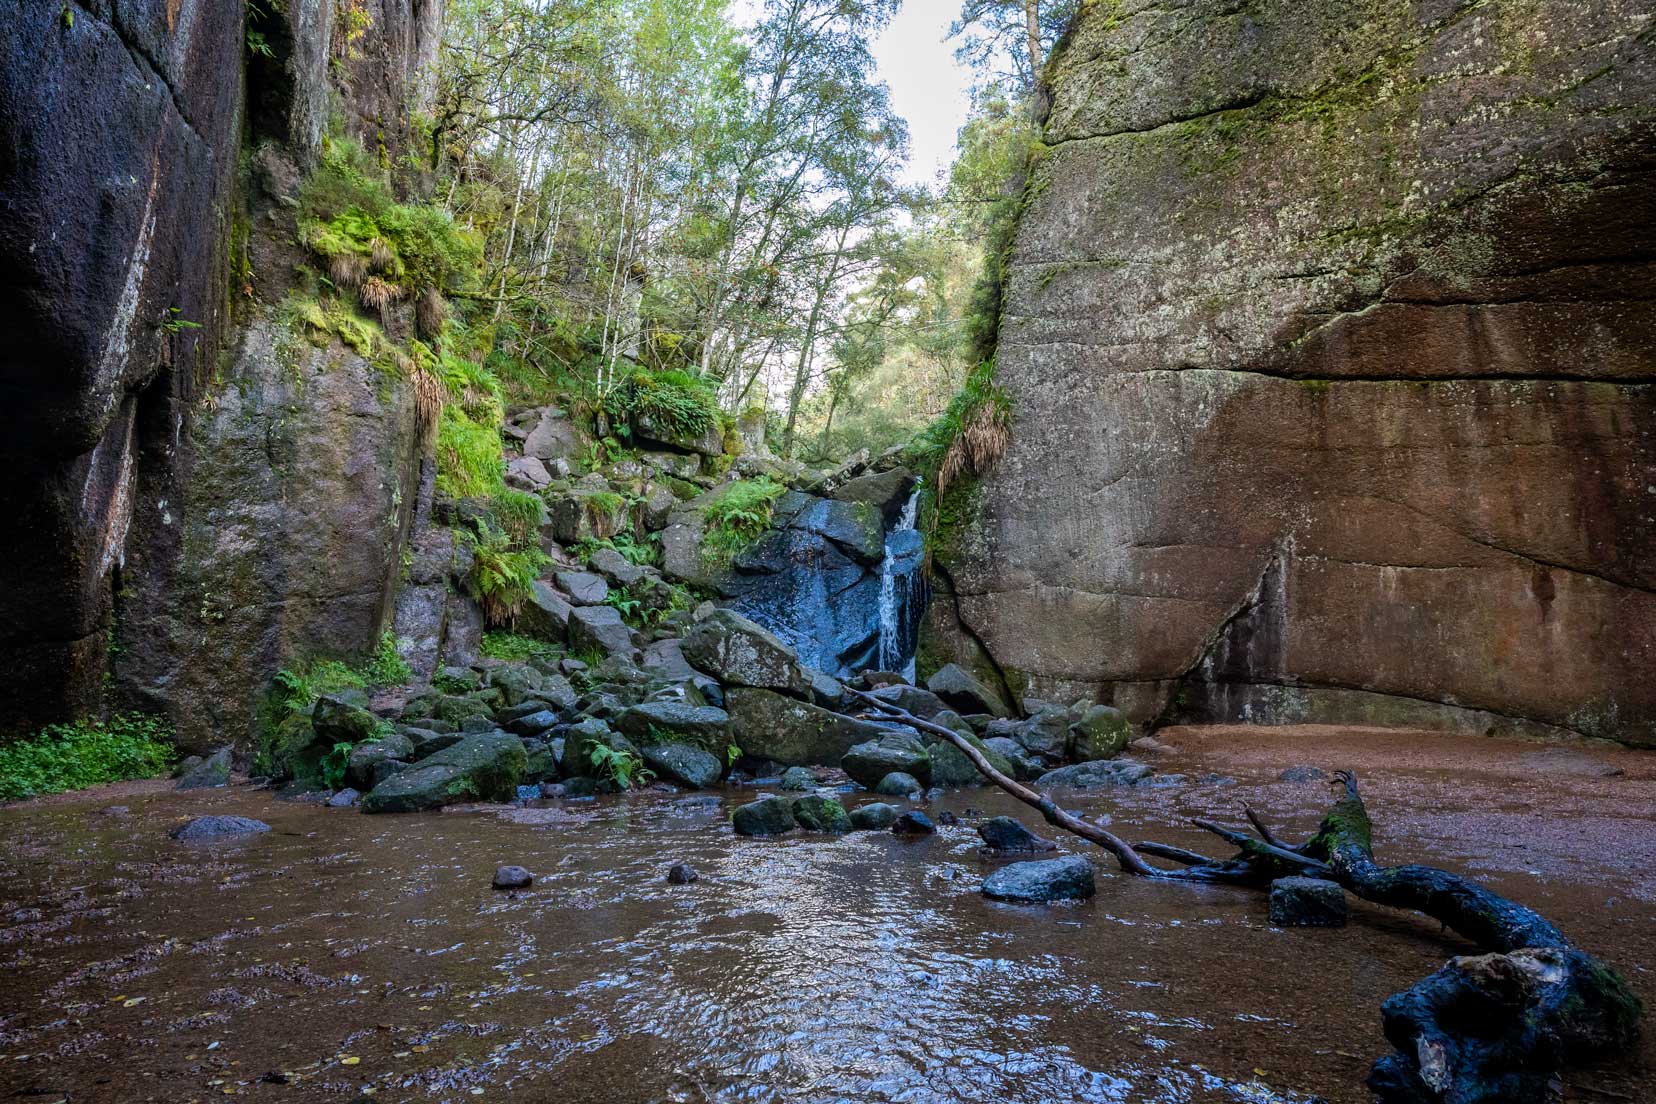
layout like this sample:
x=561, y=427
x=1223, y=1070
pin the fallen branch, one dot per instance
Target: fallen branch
x=1486, y=1029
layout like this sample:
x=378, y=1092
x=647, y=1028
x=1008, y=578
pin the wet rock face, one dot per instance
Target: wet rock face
x=284, y=534
x=1328, y=329
x=125, y=123
x=120, y=125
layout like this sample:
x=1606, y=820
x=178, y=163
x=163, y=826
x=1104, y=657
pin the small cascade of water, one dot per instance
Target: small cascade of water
x=898, y=604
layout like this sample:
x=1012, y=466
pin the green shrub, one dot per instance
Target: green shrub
x=738, y=518
x=672, y=401
x=349, y=218
x=642, y=551
x=86, y=753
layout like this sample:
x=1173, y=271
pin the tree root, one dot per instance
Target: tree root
x=1493, y=1028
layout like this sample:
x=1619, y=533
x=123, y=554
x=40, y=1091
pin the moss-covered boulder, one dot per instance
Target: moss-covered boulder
x=702, y=725
x=485, y=767
x=769, y=816
x=767, y=725
x=816, y=813
x=1102, y=732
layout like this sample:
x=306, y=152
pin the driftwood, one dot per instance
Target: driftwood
x=1493, y=1028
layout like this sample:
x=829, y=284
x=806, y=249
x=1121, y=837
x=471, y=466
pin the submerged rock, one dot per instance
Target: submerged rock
x=769, y=816
x=1070, y=878
x=512, y=877
x=1307, y=903
x=681, y=874
x=876, y=816
x=215, y=827
x=1302, y=774
x=1096, y=774
x=1004, y=834
x=345, y=798
x=898, y=784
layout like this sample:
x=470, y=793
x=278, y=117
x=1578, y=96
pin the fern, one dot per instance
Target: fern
x=622, y=769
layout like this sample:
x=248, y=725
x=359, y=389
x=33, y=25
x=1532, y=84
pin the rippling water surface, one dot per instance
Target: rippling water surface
x=344, y=954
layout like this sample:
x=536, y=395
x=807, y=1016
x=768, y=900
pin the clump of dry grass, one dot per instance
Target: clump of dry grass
x=378, y=295
x=430, y=312
x=346, y=270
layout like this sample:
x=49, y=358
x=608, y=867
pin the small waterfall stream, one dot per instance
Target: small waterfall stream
x=899, y=598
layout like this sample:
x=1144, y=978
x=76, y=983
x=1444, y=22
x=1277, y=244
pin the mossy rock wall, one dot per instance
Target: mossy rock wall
x=286, y=536
x=1330, y=334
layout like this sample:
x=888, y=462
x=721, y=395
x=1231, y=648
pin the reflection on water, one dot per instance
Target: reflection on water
x=342, y=953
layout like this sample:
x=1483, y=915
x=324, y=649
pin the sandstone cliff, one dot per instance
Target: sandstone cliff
x=191, y=496
x=1330, y=327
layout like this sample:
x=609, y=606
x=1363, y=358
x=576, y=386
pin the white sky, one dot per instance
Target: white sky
x=928, y=88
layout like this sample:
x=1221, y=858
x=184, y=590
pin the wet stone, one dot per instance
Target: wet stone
x=1302, y=774
x=1307, y=903
x=898, y=784
x=876, y=816
x=512, y=877
x=1096, y=774
x=1070, y=878
x=216, y=827
x=1004, y=834
x=212, y=772
x=345, y=798
x=913, y=823
x=769, y=816
x=799, y=779
x=681, y=874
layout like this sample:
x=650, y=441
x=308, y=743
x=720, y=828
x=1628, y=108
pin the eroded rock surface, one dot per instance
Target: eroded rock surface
x=1329, y=333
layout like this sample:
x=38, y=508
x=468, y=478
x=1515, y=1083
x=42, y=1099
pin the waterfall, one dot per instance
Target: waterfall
x=897, y=595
